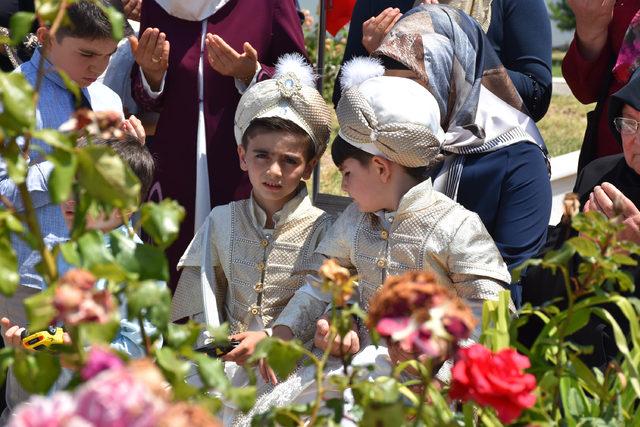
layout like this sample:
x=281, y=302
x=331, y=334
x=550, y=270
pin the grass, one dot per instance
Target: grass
x=556, y=62
x=562, y=129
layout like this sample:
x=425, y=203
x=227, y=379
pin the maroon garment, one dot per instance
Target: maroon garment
x=273, y=29
x=586, y=78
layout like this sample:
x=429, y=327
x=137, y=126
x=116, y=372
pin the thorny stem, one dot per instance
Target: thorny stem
x=7, y=203
x=145, y=338
x=561, y=333
x=426, y=380
x=319, y=380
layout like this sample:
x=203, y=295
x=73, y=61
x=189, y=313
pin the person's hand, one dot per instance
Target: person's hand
x=374, y=29
x=266, y=372
x=248, y=341
x=152, y=55
x=430, y=2
x=11, y=333
x=133, y=126
x=228, y=62
x=607, y=199
x=132, y=9
x=592, y=22
x=350, y=344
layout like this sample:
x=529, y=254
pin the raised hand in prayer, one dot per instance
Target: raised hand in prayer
x=350, y=344
x=133, y=126
x=430, y=2
x=152, y=55
x=132, y=9
x=228, y=62
x=375, y=28
x=610, y=201
x=592, y=22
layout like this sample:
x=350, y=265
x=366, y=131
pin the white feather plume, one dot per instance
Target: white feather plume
x=296, y=64
x=358, y=70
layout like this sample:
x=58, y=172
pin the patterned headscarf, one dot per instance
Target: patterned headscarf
x=480, y=109
x=480, y=10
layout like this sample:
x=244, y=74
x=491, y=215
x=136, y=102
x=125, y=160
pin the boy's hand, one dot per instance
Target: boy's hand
x=152, y=55
x=132, y=9
x=11, y=334
x=133, y=126
x=350, y=343
x=248, y=341
x=267, y=373
x=225, y=60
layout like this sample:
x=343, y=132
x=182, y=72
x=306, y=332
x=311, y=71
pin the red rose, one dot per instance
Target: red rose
x=494, y=379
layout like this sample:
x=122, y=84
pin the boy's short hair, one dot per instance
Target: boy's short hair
x=278, y=124
x=341, y=150
x=134, y=153
x=86, y=20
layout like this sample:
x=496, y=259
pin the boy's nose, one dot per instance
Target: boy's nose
x=275, y=169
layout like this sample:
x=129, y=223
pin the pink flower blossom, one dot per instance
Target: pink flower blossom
x=115, y=398
x=40, y=411
x=78, y=301
x=100, y=359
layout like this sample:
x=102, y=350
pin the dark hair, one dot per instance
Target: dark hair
x=86, y=20
x=134, y=153
x=341, y=150
x=278, y=124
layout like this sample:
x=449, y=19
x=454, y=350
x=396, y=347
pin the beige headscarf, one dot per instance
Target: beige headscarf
x=480, y=10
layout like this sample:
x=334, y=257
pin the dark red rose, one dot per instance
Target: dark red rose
x=494, y=379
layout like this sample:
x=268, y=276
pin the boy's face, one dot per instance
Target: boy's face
x=83, y=60
x=101, y=222
x=276, y=163
x=362, y=183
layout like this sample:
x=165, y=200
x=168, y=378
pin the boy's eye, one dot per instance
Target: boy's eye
x=261, y=155
x=86, y=55
x=292, y=161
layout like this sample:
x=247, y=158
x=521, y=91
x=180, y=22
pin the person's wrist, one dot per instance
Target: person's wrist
x=154, y=79
x=591, y=42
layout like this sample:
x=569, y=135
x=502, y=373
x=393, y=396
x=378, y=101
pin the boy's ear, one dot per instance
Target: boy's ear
x=382, y=167
x=43, y=35
x=242, y=155
x=308, y=170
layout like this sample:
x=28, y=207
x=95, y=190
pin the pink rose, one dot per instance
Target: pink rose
x=40, y=411
x=78, y=301
x=100, y=359
x=491, y=379
x=115, y=398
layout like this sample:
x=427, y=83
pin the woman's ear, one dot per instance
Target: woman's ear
x=382, y=168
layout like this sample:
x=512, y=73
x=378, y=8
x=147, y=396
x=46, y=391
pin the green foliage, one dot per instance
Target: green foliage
x=162, y=221
x=9, y=276
x=283, y=356
x=36, y=371
x=20, y=25
x=333, y=53
x=562, y=14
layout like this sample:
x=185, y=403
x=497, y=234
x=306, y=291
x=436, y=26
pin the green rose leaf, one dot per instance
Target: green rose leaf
x=243, y=397
x=174, y=368
x=16, y=164
x=56, y=139
x=117, y=22
x=36, y=371
x=182, y=336
x=162, y=221
x=20, y=25
x=7, y=357
x=69, y=251
x=283, y=356
x=61, y=178
x=17, y=102
x=585, y=247
x=9, y=277
x=212, y=373
x=103, y=174
x=40, y=309
x=150, y=297
x=99, y=333
x=93, y=250
x=144, y=261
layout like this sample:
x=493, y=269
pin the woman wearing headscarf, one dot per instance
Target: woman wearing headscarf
x=210, y=50
x=493, y=160
x=518, y=30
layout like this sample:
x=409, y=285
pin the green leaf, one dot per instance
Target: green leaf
x=69, y=251
x=145, y=262
x=283, y=356
x=40, y=309
x=7, y=357
x=560, y=257
x=93, y=250
x=99, y=333
x=182, y=336
x=162, y=221
x=56, y=139
x=578, y=320
x=212, y=373
x=103, y=174
x=36, y=371
x=20, y=25
x=174, y=368
x=117, y=23
x=622, y=259
x=585, y=247
x=243, y=397
x=16, y=94
x=9, y=277
x=148, y=296
x=62, y=175
x=16, y=164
